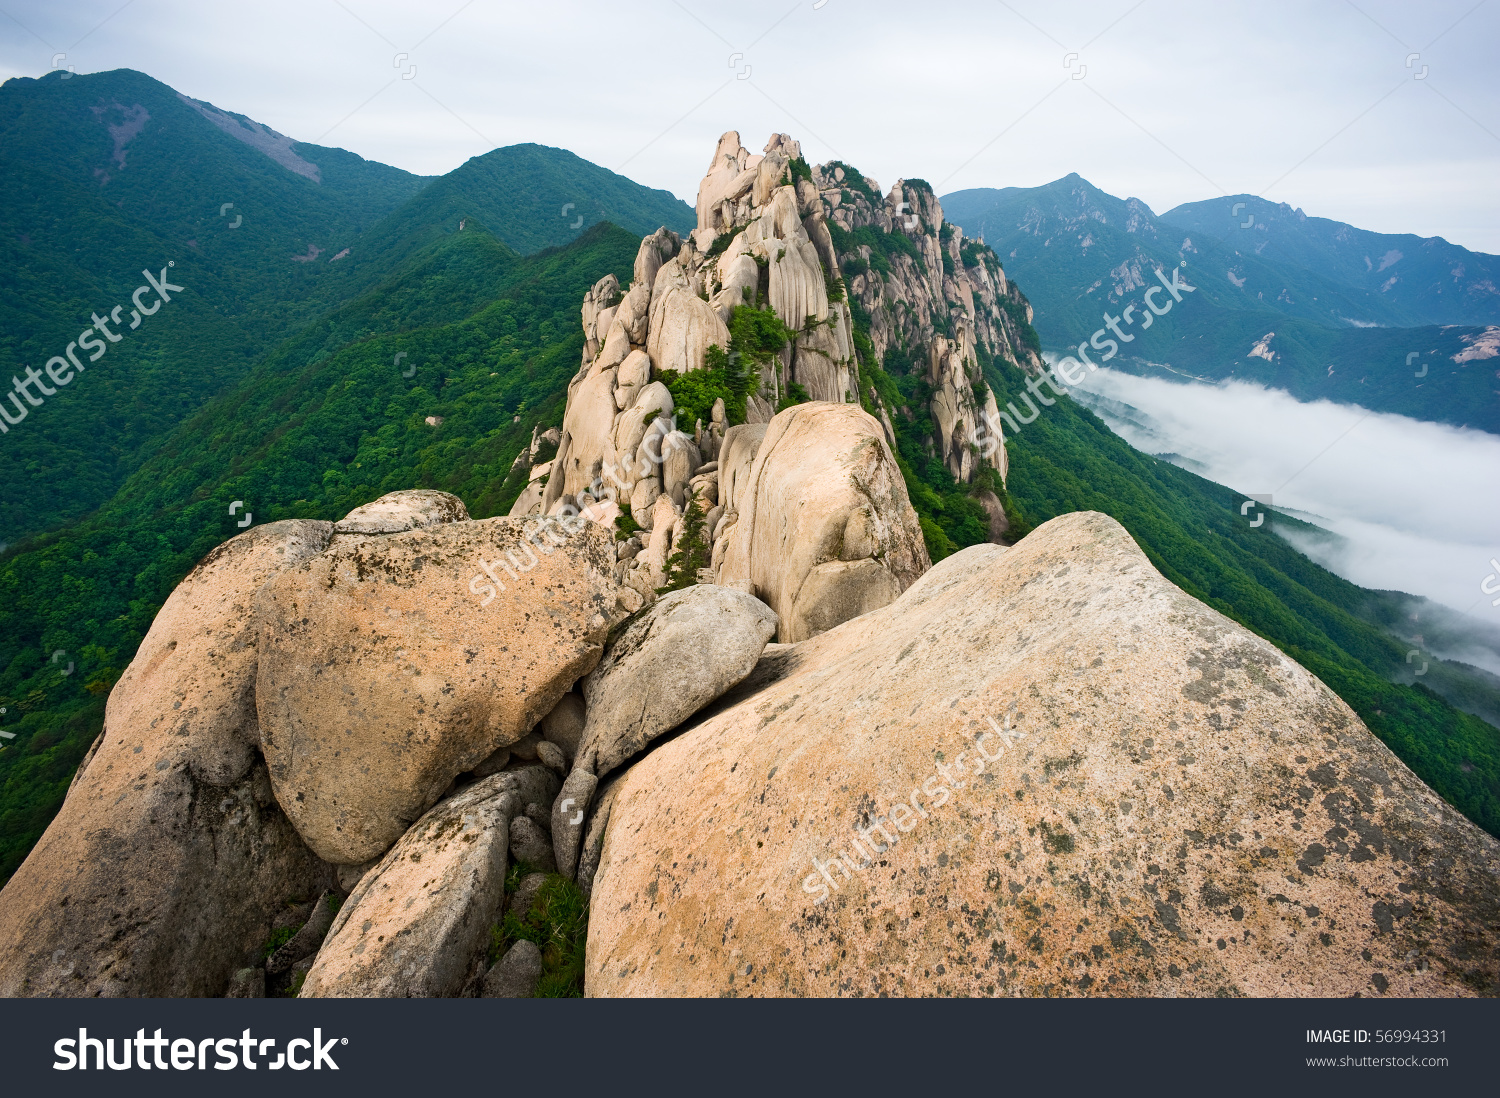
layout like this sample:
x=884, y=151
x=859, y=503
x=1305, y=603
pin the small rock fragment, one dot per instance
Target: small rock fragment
x=494, y=764
x=247, y=983
x=564, y=725
x=669, y=662
x=567, y=819
x=525, y=895
x=525, y=747
x=530, y=844
x=516, y=974
x=539, y=815
x=419, y=923
x=592, y=846
x=551, y=755
x=307, y=940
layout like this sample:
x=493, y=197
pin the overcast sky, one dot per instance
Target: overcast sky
x=1311, y=104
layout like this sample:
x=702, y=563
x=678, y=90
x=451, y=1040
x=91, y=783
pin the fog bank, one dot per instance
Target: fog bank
x=1412, y=505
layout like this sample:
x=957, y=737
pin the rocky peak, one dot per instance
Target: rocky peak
x=942, y=282
x=849, y=274
x=817, y=523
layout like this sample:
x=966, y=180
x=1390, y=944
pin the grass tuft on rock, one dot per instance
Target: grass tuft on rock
x=557, y=923
x=278, y=939
x=625, y=524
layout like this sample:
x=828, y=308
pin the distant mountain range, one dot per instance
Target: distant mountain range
x=1316, y=307
x=1405, y=280
x=109, y=174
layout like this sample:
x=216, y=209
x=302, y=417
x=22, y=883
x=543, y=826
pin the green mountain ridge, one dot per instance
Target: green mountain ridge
x=1084, y=255
x=535, y=196
x=111, y=173
x=1416, y=280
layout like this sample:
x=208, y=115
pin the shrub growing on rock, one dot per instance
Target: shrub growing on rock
x=693, y=551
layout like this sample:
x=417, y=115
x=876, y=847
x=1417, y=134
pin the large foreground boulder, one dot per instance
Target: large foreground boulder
x=826, y=531
x=390, y=665
x=417, y=925
x=170, y=853
x=1042, y=771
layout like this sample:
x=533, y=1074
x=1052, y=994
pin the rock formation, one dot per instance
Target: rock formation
x=793, y=242
x=382, y=677
x=515, y=975
x=928, y=291
x=171, y=851
x=350, y=758
x=417, y=925
x=669, y=662
x=302, y=698
x=1042, y=771
x=825, y=531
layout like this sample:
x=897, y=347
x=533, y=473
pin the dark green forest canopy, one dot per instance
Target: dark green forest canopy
x=106, y=174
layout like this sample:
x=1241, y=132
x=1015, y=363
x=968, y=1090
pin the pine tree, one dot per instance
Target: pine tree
x=693, y=551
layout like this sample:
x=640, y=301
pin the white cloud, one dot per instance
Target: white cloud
x=1412, y=503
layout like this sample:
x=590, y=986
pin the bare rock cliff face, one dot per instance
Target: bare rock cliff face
x=930, y=294
x=949, y=279
x=809, y=246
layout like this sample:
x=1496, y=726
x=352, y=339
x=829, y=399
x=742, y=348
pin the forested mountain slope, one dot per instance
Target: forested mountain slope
x=109, y=175
x=438, y=374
